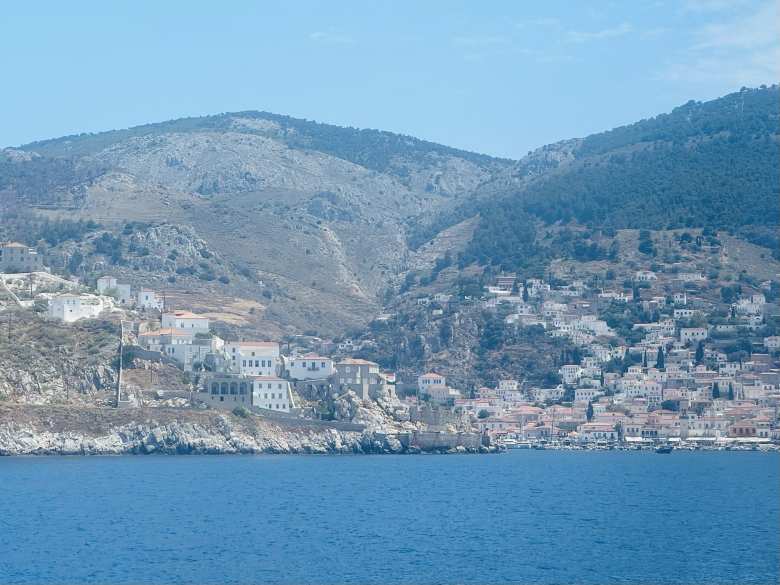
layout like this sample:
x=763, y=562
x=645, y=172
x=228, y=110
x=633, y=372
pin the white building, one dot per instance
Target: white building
x=109, y=285
x=147, y=299
x=70, y=307
x=426, y=381
x=586, y=394
x=645, y=276
x=570, y=374
x=310, y=367
x=772, y=342
x=105, y=284
x=272, y=393
x=254, y=358
x=185, y=320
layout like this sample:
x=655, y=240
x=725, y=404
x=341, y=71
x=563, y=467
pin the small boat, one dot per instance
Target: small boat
x=664, y=449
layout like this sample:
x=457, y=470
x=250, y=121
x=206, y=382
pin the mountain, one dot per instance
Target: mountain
x=277, y=225
x=712, y=164
x=308, y=219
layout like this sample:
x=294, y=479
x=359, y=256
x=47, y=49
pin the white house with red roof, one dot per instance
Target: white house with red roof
x=185, y=320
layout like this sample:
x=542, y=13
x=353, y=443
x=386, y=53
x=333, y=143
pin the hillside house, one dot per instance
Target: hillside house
x=147, y=299
x=361, y=377
x=254, y=358
x=310, y=367
x=645, y=276
x=70, y=307
x=16, y=257
x=693, y=334
x=185, y=320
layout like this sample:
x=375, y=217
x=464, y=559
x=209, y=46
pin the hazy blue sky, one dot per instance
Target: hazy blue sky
x=496, y=77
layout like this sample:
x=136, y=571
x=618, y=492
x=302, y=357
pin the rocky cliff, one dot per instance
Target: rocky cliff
x=53, y=430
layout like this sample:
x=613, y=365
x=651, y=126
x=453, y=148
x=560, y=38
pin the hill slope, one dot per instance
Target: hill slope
x=313, y=211
x=712, y=164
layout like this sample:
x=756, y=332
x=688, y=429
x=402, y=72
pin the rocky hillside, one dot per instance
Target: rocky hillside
x=315, y=212
x=50, y=363
x=279, y=225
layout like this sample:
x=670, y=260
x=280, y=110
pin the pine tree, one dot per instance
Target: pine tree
x=660, y=362
x=715, y=391
x=699, y=353
x=589, y=412
x=525, y=292
x=731, y=391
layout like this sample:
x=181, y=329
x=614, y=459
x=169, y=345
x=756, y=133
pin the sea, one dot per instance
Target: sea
x=524, y=516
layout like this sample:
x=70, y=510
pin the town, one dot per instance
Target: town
x=699, y=373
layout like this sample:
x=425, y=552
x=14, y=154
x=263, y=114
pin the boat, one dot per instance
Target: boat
x=664, y=449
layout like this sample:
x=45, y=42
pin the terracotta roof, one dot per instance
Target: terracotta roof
x=433, y=375
x=186, y=315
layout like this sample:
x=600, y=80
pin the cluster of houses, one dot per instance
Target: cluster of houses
x=256, y=373
x=682, y=385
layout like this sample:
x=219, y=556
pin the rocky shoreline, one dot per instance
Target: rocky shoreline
x=61, y=430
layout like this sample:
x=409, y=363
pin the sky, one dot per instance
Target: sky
x=499, y=77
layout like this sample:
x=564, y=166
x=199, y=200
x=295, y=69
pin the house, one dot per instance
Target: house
x=16, y=257
x=147, y=299
x=108, y=285
x=228, y=392
x=506, y=281
x=310, y=367
x=361, y=377
x=158, y=339
x=185, y=320
x=254, y=358
x=645, y=276
x=570, y=373
x=684, y=313
x=70, y=307
x=597, y=431
x=442, y=394
x=586, y=394
x=430, y=379
x=272, y=393
x=690, y=277
x=693, y=334
x=772, y=342
x=105, y=284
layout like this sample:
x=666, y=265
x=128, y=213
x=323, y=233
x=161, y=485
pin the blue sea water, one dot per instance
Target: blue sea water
x=520, y=517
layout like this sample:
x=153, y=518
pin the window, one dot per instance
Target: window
x=257, y=363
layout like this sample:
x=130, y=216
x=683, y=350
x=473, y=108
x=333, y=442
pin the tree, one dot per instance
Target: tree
x=483, y=413
x=644, y=359
x=589, y=412
x=715, y=391
x=525, y=292
x=731, y=391
x=659, y=360
x=699, y=353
